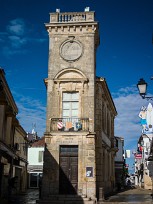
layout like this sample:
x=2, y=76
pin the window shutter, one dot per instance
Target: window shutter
x=40, y=156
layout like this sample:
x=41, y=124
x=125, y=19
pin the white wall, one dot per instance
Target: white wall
x=33, y=155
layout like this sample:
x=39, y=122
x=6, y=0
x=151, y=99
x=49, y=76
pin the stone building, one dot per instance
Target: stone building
x=79, y=137
x=119, y=162
x=13, y=151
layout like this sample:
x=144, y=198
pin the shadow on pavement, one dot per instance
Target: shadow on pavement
x=130, y=194
x=29, y=197
x=127, y=188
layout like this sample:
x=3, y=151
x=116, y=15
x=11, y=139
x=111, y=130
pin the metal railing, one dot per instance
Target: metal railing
x=69, y=124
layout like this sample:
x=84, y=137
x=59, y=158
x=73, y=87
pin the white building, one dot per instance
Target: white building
x=143, y=158
x=143, y=172
x=35, y=163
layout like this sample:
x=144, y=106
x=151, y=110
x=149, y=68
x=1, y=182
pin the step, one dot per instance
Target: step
x=67, y=198
x=65, y=202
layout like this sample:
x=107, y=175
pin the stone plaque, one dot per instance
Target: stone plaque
x=71, y=50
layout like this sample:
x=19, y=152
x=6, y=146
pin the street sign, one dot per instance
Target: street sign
x=89, y=171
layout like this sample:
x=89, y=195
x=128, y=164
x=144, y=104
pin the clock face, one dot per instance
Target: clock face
x=71, y=50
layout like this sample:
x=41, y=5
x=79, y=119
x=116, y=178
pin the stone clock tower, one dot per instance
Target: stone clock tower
x=70, y=154
x=73, y=39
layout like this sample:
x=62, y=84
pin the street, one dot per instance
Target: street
x=131, y=195
x=29, y=197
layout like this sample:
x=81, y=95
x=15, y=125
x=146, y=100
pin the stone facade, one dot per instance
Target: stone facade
x=13, y=159
x=120, y=171
x=104, y=127
x=72, y=87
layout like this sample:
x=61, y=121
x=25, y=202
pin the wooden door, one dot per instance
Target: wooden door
x=68, y=177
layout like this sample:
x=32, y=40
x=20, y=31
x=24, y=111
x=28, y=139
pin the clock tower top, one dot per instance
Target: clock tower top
x=72, y=23
x=73, y=40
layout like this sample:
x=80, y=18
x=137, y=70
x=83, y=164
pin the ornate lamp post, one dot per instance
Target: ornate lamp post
x=142, y=87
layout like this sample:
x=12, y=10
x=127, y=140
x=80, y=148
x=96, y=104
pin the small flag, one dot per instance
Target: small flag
x=60, y=125
x=78, y=126
x=68, y=125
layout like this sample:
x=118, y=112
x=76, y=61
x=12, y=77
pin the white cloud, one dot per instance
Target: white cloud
x=16, y=36
x=31, y=111
x=16, y=27
x=127, y=123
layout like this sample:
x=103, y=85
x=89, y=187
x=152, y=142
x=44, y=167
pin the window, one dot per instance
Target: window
x=70, y=104
x=116, y=145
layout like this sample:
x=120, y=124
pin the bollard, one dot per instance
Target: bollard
x=101, y=194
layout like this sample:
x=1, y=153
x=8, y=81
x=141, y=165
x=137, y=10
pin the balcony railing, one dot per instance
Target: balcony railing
x=71, y=17
x=67, y=17
x=70, y=124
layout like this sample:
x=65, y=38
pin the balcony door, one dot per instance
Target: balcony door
x=70, y=107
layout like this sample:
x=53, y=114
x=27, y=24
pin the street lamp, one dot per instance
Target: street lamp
x=142, y=87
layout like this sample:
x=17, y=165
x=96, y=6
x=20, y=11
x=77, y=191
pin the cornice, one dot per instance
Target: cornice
x=6, y=91
x=107, y=94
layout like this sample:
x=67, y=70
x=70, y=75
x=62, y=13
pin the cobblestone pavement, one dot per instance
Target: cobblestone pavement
x=133, y=195
x=29, y=197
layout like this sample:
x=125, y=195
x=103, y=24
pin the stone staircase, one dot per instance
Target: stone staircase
x=66, y=199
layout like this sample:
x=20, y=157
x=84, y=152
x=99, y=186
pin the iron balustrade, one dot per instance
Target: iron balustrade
x=69, y=124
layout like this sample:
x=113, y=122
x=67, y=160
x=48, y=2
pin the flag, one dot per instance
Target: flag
x=68, y=125
x=78, y=125
x=60, y=125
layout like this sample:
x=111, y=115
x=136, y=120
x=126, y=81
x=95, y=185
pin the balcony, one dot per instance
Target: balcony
x=71, y=17
x=69, y=124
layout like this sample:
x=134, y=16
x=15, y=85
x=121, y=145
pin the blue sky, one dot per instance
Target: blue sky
x=124, y=56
